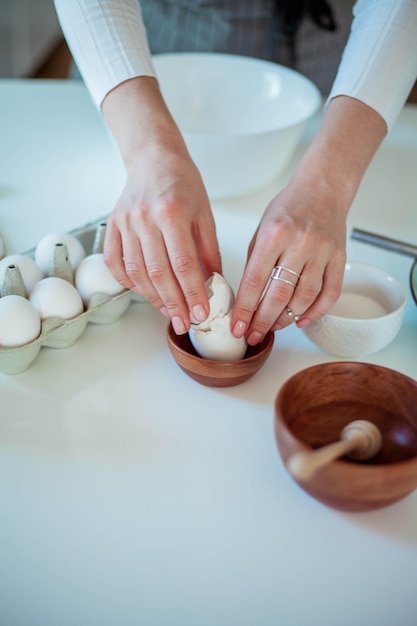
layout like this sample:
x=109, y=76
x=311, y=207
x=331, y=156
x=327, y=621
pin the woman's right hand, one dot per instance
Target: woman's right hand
x=161, y=237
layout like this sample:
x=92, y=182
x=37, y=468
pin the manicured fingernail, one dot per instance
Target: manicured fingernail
x=178, y=325
x=254, y=338
x=164, y=311
x=199, y=313
x=303, y=323
x=239, y=329
x=276, y=327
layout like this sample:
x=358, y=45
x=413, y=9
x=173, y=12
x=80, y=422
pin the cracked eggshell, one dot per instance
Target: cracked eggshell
x=221, y=299
x=44, y=252
x=20, y=322
x=56, y=297
x=221, y=296
x=213, y=338
x=218, y=343
x=29, y=270
x=93, y=276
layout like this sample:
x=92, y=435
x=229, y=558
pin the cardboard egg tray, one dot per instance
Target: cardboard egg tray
x=59, y=333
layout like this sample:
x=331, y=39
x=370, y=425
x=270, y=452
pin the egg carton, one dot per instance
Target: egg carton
x=59, y=333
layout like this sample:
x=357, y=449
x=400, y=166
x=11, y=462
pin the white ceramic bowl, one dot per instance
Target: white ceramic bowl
x=367, y=316
x=241, y=117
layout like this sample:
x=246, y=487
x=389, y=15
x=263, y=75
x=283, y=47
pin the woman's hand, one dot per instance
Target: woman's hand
x=160, y=238
x=302, y=233
x=297, y=256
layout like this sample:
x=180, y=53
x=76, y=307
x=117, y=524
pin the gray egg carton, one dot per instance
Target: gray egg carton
x=59, y=333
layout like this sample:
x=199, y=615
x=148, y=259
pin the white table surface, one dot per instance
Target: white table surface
x=132, y=495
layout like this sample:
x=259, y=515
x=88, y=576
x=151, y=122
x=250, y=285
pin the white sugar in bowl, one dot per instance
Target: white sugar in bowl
x=367, y=316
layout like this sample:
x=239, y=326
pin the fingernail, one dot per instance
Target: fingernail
x=199, y=313
x=303, y=323
x=254, y=338
x=239, y=329
x=276, y=327
x=178, y=325
x=164, y=311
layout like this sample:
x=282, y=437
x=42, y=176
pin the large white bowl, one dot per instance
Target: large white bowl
x=241, y=117
x=355, y=327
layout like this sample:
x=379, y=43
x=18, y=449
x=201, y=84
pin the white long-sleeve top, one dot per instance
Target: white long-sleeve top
x=109, y=44
x=379, y=62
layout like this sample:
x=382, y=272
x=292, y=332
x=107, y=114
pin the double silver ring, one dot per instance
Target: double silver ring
x=278, y=270
x=291, y=315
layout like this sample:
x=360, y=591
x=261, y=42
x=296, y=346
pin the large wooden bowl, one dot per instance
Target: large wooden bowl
x=314, y=405
x=217, y=373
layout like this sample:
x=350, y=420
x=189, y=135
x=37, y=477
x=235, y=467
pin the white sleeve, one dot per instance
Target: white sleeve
x=379, y=63
x=108, y=41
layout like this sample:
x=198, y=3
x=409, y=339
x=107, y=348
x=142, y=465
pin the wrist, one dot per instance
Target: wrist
x=141, y=122
x=340, y=153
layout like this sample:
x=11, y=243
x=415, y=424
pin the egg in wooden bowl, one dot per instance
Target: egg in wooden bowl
x=215, y=373
x=210, y=353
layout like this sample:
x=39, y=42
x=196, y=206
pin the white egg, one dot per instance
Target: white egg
x=56, y=297
x=93, y=277
x=213, y=338
x=44, y=253
x=29, y=270
x=218, y=343
x=19, y=321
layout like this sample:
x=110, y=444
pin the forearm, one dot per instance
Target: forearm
x=337, y=159
x=141, y=122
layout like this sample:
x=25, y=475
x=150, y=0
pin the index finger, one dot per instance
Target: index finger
x=186, y=266
x=252, y=287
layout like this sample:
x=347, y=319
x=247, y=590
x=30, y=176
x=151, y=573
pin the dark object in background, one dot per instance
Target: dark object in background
x=287, y=17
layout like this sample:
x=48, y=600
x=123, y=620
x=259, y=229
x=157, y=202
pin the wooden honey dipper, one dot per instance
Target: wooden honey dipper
x=360, y=440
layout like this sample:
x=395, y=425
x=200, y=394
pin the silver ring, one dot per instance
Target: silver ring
x=278, y=269
x=291, y=314
x=284, y=280
x=276, y=275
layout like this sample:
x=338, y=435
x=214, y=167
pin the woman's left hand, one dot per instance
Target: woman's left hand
x=297, y=256
x=295, y=263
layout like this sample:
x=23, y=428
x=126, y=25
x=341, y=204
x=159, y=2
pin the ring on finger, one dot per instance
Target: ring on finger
x=279, y=269
x=291, y=314
x=284, y=280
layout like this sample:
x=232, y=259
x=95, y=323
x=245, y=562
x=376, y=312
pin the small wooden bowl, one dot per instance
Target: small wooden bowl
x=217, y=373
x=314, y=405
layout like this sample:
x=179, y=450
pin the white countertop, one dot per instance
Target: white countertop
x=132, y=495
